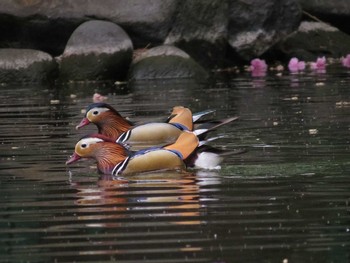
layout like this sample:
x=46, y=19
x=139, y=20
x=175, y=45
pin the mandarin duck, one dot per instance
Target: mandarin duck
x=111, y=124
x=116, y=159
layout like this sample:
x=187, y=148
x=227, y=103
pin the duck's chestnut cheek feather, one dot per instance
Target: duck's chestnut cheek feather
x=75, y=157
x=85, y=121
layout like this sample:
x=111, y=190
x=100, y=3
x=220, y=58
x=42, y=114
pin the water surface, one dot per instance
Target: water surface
x=287, y=197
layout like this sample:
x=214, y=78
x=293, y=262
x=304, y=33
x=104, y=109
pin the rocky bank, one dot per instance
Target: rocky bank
x=131, y=39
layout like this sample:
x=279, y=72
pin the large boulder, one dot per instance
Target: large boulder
x=314, y=39
x=26, y=65
x=255, y=25
x=335, y=12
x=205, y=29
x=96, y=50
x=165, y=62
x=47, y=24
x=200, y=28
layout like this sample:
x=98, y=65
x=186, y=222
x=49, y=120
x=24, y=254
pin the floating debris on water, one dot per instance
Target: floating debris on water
x=313, y=131
x=54, y=102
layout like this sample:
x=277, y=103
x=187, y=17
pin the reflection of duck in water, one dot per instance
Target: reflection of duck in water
x=176, y=199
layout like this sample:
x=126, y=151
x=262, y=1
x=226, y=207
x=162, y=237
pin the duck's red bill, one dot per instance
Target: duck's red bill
x=83, y=123
x=75, y=157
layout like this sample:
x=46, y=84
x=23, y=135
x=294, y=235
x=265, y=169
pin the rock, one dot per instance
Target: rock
x=165, y=62
x=314, y=39
x=336, y=7
x=47, y=24
x=255, y=25
x=204, y=37
x=26, y=65
x=250, y=28
x=335, y=12
x=96, y=50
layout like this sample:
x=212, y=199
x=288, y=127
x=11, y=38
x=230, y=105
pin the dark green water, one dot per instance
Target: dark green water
x=286, y=198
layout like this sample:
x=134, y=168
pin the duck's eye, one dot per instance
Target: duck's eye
x=84, y=145
x=95, y=112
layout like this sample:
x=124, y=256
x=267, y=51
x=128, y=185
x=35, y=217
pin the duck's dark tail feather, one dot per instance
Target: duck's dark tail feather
x=202, y=129
x=196, y=116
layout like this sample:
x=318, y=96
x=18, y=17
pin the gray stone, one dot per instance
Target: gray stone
x=337, y=7
x=205, y=29
x=200, y=28
x=314, y=39
x=165, y=62
x=335, y=12
x=26, y=65
x=255, y=25
x=96, y=50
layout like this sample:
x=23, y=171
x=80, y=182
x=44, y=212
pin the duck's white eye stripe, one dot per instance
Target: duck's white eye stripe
x=95, y=111
x=88, y=141
x=98, y=109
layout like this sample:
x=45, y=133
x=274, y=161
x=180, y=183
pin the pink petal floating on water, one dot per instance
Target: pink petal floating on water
x=320, y=64
x=258, y=67
x=346, y=61
x=97, y=97
x=295, y=65
x=301, y=65
x=258, y=64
